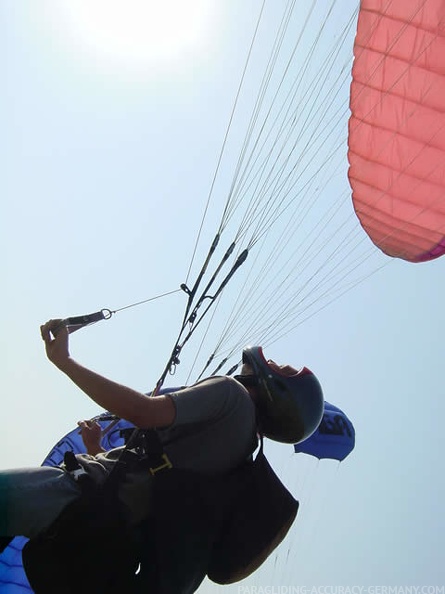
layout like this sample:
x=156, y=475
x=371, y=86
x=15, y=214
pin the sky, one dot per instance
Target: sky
x=112, y=127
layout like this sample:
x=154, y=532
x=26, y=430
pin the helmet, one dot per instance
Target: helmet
x=290, y=407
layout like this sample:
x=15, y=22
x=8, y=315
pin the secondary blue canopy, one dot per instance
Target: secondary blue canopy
x=334, y=438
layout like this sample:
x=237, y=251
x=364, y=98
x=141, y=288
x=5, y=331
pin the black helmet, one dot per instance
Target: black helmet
x=290, y=407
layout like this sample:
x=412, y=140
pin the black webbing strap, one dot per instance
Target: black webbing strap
x=144, y=450
x=156, y=458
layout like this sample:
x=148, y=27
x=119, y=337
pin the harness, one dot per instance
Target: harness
x=223, y=527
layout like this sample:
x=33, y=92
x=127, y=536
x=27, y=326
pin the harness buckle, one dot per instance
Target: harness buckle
x=77, y=473
x=167, y=464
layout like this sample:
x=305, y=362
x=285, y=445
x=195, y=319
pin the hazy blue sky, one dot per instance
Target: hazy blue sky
x=107, y=160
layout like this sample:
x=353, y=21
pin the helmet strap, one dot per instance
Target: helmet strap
x=248, y=381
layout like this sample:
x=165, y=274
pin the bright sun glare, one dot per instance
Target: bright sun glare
x=140, y=31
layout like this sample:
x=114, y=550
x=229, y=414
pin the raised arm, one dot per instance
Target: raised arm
x=144, y=412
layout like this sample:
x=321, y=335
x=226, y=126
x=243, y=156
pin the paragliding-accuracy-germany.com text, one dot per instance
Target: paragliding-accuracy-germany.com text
x=341, y=589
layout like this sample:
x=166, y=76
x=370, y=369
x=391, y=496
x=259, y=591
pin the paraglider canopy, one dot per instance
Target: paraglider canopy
x=397, y=127
x=334, y=438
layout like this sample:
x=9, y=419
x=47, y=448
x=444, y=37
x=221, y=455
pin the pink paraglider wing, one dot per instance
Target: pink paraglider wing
x=397, y=126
